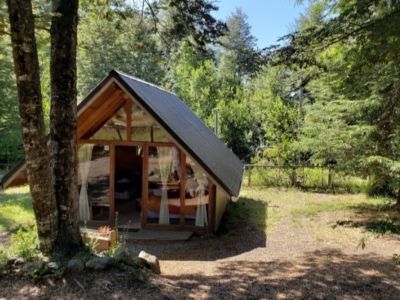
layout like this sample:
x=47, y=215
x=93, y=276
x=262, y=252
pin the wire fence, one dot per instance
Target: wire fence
x=304, y=177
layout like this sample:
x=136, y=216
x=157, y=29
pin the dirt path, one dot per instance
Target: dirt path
x=306, y=258
x=288, y=263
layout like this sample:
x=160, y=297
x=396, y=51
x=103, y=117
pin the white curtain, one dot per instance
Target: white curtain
x=85, y=157
x=165, y=157
x=201, y=198
x=176, y=162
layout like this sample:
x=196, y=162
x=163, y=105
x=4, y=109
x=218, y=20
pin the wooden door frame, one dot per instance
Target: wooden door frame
x=145, y=185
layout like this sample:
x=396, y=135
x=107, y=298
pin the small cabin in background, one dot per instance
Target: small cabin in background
x=147, y=161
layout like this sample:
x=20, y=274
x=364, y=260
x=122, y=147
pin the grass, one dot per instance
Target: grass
x=17, y=220
x=15, y=208
x=332, y=218
x=309, y=179
x=254, y=209
x=264, y=209
x=331, y=204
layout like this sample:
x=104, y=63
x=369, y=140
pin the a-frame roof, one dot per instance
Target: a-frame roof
x=184, y=126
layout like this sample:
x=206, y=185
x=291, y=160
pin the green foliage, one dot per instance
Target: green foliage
x=116, y=38
x=3, y=260
x=327, y=97
x=194, y=80
x=177, y=20
x=239, y=58
x=24, y=243
x=314, y=179
x=238, y=127
x=10, y=133
x=396, y=259
x=350, y=51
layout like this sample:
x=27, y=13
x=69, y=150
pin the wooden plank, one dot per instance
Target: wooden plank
x=87, y=127
x=128, y=110
x=97, y=100
x=110, y=142
x=101, y=118
x=145, y=183
x=212, y=192
x=125, y=143
x=182, y=186
x=164, y=227
x=95, y=105
x=157, y=235
x=112, y=185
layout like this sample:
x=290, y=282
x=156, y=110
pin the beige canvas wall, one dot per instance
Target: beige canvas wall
x=222, y=199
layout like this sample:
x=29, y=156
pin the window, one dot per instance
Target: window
x=114, y=129
x=94, y=180
x=196, y=195
x=164, y=177
x=145, y=128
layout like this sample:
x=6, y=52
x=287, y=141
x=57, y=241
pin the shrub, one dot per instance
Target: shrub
x=396, y=259
x=23, y=243
x=3, y=259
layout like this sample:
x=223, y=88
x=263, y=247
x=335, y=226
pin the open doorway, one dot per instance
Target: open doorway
x=128, y=186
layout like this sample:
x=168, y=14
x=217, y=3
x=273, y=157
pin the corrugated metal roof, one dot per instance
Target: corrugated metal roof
x=188, y=130
x=183, y=125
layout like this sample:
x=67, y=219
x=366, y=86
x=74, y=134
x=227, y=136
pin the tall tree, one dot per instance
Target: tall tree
x=194, y=79
x=63, y=121
x=27, y=74
x=356, y=45
x=240, y=57
x=177, y=20
x=116, y=37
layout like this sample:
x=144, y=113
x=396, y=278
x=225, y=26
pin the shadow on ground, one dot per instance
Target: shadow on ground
x=243, y=229
x=322, y=274
x=379, y=219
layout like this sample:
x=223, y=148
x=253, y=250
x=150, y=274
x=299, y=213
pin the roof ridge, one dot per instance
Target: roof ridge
x=143, y=81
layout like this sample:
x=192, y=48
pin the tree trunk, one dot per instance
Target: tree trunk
x=63, y=121
x=33, y=131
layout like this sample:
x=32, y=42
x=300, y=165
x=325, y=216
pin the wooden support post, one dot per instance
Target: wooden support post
x=330, y=177
x=112, y=185
x=294, y=177
x=128, y=110
x=145, y=183
x=212, y=196
x=182, y=186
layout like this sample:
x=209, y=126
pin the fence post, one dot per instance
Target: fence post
x=294, y=176
x=330, y=177
x=249, y=178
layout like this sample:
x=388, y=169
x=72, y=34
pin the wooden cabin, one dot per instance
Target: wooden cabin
x=147, y=161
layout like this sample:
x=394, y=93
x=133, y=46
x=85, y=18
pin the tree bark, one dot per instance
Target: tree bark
x=27, y=74
x=63, y=121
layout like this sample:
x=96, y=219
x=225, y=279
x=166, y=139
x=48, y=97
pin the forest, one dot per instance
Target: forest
x=326, y=94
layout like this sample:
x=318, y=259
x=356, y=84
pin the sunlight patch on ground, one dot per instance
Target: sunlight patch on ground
x=325, y=217
x=15, y=208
